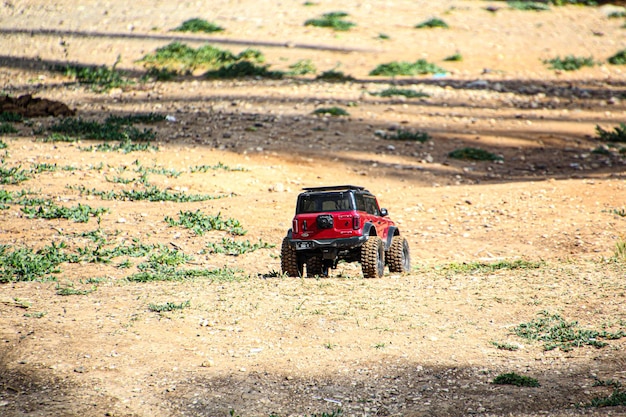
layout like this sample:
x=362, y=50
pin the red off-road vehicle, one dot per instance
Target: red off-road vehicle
x=345, y=223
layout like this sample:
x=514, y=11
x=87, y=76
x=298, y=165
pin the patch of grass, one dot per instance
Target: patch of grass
x=43, y=167
x=619, y=212
x=383, y=37
x=198, y=25
x=36, y=314
x=406, y=92
x=24, y=264
x=569, y=63
x=474, y=154
x=159, y=74
x=169, y=306
x=615, y=399
x=527, y=5
x=113, y=128
x=219, y=165
x=125, y=146
x=244, y=69
x=13, y=175
x=555, y=332
x=601, y=150
x=432, y=23
x=419, y=67
x=617, y=15
x=201, y=223
x=7, y=129
x=80, y=213
x=70, y=290
x=505, y=346
x=405, y=135
x=617, y=135
x=334, y=76
x=332, y=111
x=3, y=144
x=302, y=67
x=482, y=267
x=619, y=58
x=233, y=247
x=620, y=250
x=100, y=78
x=173, y=274
x=457, y=57
x=333, y=20
x=7, y=116
x=514, y=379
x=151, y=193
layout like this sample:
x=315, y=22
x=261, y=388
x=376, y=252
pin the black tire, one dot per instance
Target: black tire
x=289, y=260
x=315, y=267
x=373, y=258
x=398, y=257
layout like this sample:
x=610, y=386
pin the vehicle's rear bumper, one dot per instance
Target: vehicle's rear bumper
x=340, y=243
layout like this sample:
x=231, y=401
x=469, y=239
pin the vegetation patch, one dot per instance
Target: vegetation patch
x=114, y=128
x=514, y=379
x=302, y=67
x=474, y=154
x=201, y=223
x=419, y=67
x=334, y=76
x=198, y=25
x=619, y=58
x=3, y=144
x=618, y=134
x=405, y=135
x=7, y=116
x=527, y=5
x=173, y=274
x=70, y=290
x=332, y=111
x=218, y=166
x=432, y=23
x=169, y=306
x=333, y=20
x=505, y=346
x=125, y=146
x=569, y=63
x=80, y=213
x=405, y=92
x=244, y=69
x=24, y=264
x=13, y=175
x=483, y=267
x=233, y=247
x=615, y=399
x=7, y=129
x=454, y=58
x=556, y=332
x=100, y=78
x=150, y=193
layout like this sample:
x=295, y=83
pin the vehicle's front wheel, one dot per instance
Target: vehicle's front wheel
x=398, y=256
x=289, y=260
x=373, y=258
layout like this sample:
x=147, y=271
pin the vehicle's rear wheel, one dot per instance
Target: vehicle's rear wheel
x=398, y=257
x=315, y=267
x=289, y=260
x=373, y=258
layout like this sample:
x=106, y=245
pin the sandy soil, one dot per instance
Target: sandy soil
x=262, y=344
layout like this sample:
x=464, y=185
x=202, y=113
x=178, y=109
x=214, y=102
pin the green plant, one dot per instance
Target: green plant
x=457, y=57
x=474, y=154
x=7, y=116
x=601, y=150
x=243, y=69
x=514, y=379
x=173, y=274
x=302, y=67
x=334, y=76
x=3, y=145
x=333, y=111
x=13, y=175
x=151, y=193
x=70, y=290
x=169, y=306
x=201, y=223
x=23, y=264
x=333, y=20
x=233, y=247
x=125, y=146
x=383, y=37
x=7, y=129
x=432, y=23
x=50, y=210
x=505, y=346
x=198, y=25
x=419, y=67
x=159, y=74
x=473, y=267
x=408, y=93
x=615, y=399
x=219, y=165
x=620, y=250
x=527, y=5
x=617, y=14
x=36, y=314
x=555, y=332
x=619, y=212
x=405, y=135
x=619, y=58
x=569, y=63
x=101, y=78
x=617, y=135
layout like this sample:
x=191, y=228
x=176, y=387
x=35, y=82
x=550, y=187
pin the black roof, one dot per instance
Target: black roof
x=334, y=188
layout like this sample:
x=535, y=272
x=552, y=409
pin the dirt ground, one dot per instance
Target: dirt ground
x=420, y=344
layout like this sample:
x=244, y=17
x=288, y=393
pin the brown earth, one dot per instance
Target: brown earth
x=263, y=344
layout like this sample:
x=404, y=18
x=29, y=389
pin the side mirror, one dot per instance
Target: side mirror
x=384, y=212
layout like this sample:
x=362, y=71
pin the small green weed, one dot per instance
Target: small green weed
x=125, y=146
x=620, y=250
x=527, y=5
x=474, y=154
x=419, y=67
x=101, y=78
x=383, y=37
x=332, y=111
x=408, y=93
x=334, y=77
x=233, y=247
x=151, y=193
x=505, y=346
x=198, y=25
x=173, y=274
x=617, y=135
x=302, y=67
x=619, y=212
x=219, y=165
x=70, y=290
x=454, y=58
x=43, y=167
x=7, y=129
x=405, y=135
x=3, y=144
x=13, y=175
x=619, y=58
x=50, y=210
x=432, y=23
x=169, y=306
x=617, y=15
x=569, y=63
x=244, y=69
x=23, y=264
x=201, y=223
x=617, y=397
x=555, y=332
x=482, y=267
x=601, y=150
x=333, y=20
x=113, y=128
x=36, y=314
x=514, y=379
x=159, y=74
x=7, y=116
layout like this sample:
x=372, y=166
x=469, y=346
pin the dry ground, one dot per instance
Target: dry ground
x=412, y=345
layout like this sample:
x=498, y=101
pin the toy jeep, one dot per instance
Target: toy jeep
x=342, y=223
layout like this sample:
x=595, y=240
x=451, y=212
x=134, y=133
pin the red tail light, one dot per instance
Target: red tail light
x=356, y=222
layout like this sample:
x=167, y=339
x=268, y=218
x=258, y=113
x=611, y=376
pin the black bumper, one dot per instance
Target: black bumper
x=339, y=243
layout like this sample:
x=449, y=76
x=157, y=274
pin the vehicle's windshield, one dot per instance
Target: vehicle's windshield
x=314, y=203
